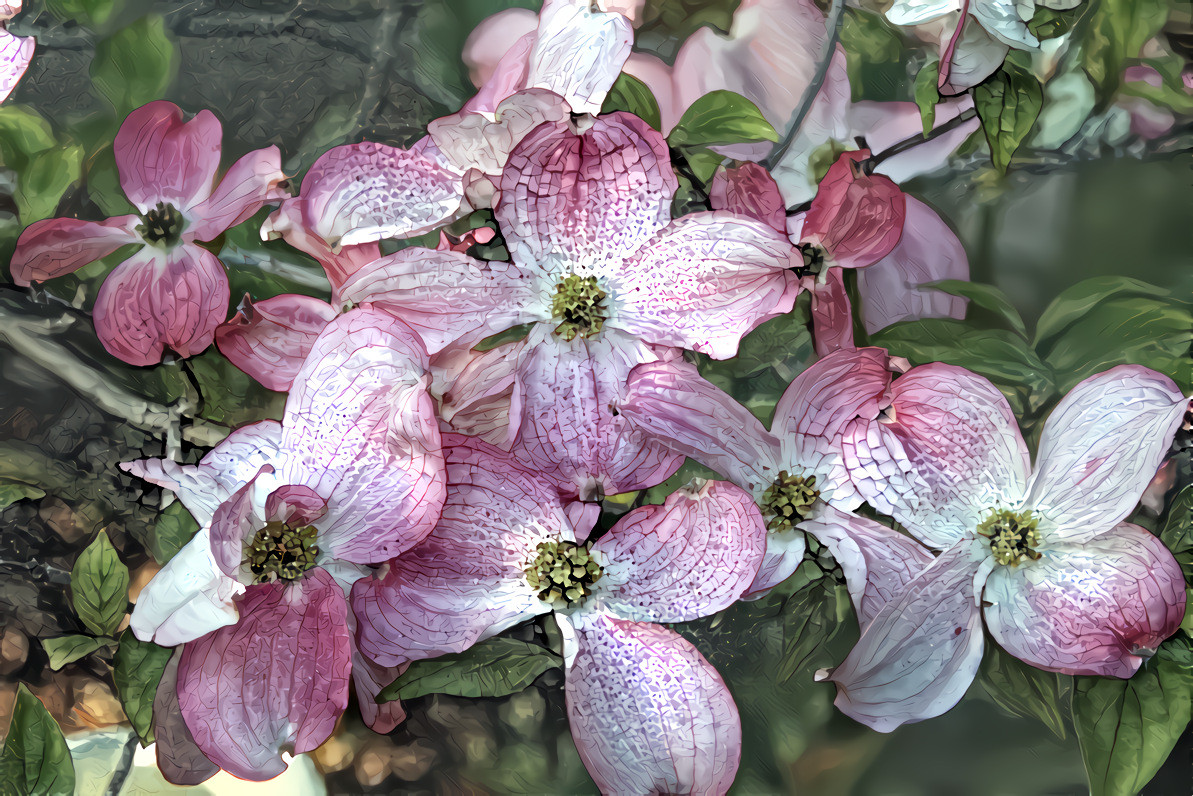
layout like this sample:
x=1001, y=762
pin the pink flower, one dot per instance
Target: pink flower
x=648, y=713
x=1042, y=554
x=171, y=292
x=15, y=52
x=292, y=514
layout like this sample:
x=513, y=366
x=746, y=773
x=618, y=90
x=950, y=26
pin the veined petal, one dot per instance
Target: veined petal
x=1097, y=607
x=498, y=69
x=784, y=553
x=471, y=140
x=579, y=52
x=236, y=521
x=252, y=182
x=856, y=218
x=59, y=246
x=368, y=679
x=914, y=12
x=1101, y=446
x=277, y=677
x=339, y=262
x=648, y=713
x=1000, y=18
x=969, y=56
x=749, y=190
x=832, y=315
x=689, y=558
x=474, y=390
x=161, y=158
x=15, y=55
x=179, y=759
x=270, y=339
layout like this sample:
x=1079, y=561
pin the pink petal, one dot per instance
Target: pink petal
x=832, y=315
x=15, y=55
x=156, y=299
x=1097, y=607
x=856, y=218
x=487, y=49
x=369, y=679
x=467, y=580
x=784, y=553
x=278, y=677
x=749, y=190
x=588, y=199
x=295, y=504
x=270, y=339
x=578, y=53
x=471, y=140
x=928, y=251
x=288, y=222
x=475, y=389
x=648, y=713
x=250, y=184
x=672, y=402
x=689, y=558
x=656, y=74
x=59, y=246
x=704, y=281
x=161, y=158
x=919, y=653
x=178, y=758
x=1101, y=446
x=235, y=522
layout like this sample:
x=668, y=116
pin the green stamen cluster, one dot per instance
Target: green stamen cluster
x=1013, y=536
x=813, y=260
x=563, y=573
x=162, y=224
x=579, y=306
x=281, y=552
x=789, y=500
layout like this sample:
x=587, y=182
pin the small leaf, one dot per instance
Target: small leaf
x=174, y=528
x=23, y=133
x=137, y=669
x=1021, y=689
x=99, y=587
x=1116, y=32
x=1177, y=533
x=135, y=64
x=987, y=297
x=719, y=118
x=12, y=491
x=68, y=649
x=36, y=760
x=510, y=335
x=631, y=94
x=497, y=667
x=1049, y=24
x=1007, y=105
x=811, y=617
x=927, y=95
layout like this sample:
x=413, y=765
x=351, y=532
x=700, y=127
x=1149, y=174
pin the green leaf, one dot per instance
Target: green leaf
x=874, y=56
x=1177, y=533
x=510, y=335
x=497, y=667
x=12, y=491
x=927, y=95
x=719, y=118
x=23, y=133
x=811, y=617
x=631, y=94
x=135, y=64
x=1127, y=728
x=137, y=669
x=174, y=528
x=988, y=297
x=68, y=649
x=1048, y=24
x=44, y=179
x=99, y=587
x=35, y=760
x=1007, y=105
x=1021, y=689
x=1116, y=31
x=90, y=13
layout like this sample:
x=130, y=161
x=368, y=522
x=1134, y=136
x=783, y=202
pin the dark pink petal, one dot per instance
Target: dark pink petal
x=689, y=558
x=928, y=251
x=648, y=713
x=270, y=339
x=920, y=652
x=704, y=281
x=672, y=402
x=832, y=315
x=59, y=246
x=1101, y=446
x=339, y=263
x=578, y=53
x=156, y=299
x=251, y=183
x=588, y=199
x=467, y=580
x=279, y=677
x=161, y=158
x=1098, y=607
x=856, y=218
x=179, y=759
x=294, y=504
x=749, y=190
x=369, y=679
x=15, y=55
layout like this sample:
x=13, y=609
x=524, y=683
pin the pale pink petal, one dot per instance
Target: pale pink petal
x=368, y=679
x=474, y=390
x=467, y=580
x=161, y=158
x=506, y=76
x=656, y=74
x=277, y=677
x=648, y=713
x=832, y=315
x=578, y=53
x=749, y=190
x=784, y=553
x=59, y=246
x=689, y=558
x=704, y=281
x=856, y=218
x=251, y=183
x=489, y=42
x=270, y=339
x=15, y=55
x=682, y=410
x=472, y=140
x=179, y=759
x=920, y=652
x=236, y=521
x=156, y=299
x=1101, y=446
x=884, y=124
x=1099, y=607
x=339, y=263
x=928, y=251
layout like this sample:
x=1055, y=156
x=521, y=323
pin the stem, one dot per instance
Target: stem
x=833, y=22
x=116, y=784
x=912, y=142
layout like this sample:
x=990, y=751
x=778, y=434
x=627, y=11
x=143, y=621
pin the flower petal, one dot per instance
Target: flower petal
x=648, y=713
x=474, y=390
x=270, y=339
x=915, y=12
x=1098, y=607
x=277, y=677
x=749, y=190
x=250, y=184
x=969, y=56
x=339, y=263
x=919, y=653
x=156, y=299
x=579, y=52
x=161, y=158
x=832, y=315
x=1001, y=18
x=236, y=521
x=179, y=759
x=15, y=55
x=856, y=218
x=471, y=140
x=497, y=68
x=784, y=553
x=689, y=558
x=59, y=246
x=369, y=679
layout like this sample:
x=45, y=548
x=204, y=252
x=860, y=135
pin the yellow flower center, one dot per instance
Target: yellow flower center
x=578, y=304
x=1013, y=536
x=281, y=552
x=789, y=500
x=563, y=573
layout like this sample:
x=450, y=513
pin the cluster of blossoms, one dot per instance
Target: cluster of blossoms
x=421, y=494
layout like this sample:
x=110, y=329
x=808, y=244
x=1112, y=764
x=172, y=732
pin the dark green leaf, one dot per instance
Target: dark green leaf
x=497, y=667
x=719, y=118
x=35, y=760
x=874, y=55
x=1007, y=105
x=1178, y=530
x=811, y=617
x=987, y=297
x=1116, y=31
x=508, y=336
x=23, y=133
x=927, y=95
x=1021, y=689
x=12, y=491
x=68, y=649
x=631, y=94
x=44, y=179
x=99, y=587
x=174, y=528
x=91, y=13
x=135, y=64
x=137, y=668
x=704, y=163
x=1049, y=24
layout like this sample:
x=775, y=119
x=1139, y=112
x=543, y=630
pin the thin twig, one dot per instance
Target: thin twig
x=116, y=784
x=913, y=141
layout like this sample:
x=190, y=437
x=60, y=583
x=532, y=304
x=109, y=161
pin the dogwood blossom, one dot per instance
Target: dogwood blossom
x=15, y=52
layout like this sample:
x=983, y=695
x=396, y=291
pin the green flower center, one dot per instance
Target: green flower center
x=579, y=306
x=1013, y=535
x=280, y=551
x=162, y=224
x=789, y=500
x=813, y=260
x=563, y=573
